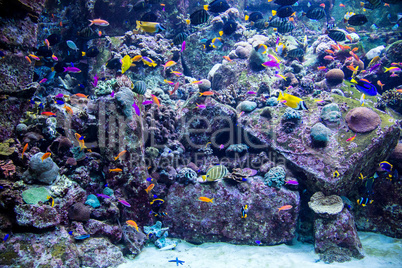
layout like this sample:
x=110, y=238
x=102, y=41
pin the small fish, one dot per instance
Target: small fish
x=201, y=106
x=136, y=109
x=51, y=200
x=341, y=5
x=147, y=102
x=168, y=82
x=322, y=5
x=112, y=94
x=72, y=69
x=350, y=29
x=55, y=58
x=280, y=76
x=168, y=64
x=183, y=46
x=149, y=179
x=100, y=33
x=271, y=64
x=328, y=57
x=24, y=150
x=120, y=155
x=258, y=242
x=34, y=57
x=206, y=93
x=205, y=199
x=176, y=86
x=72, y=45
x=392, y=69
x=176, y=73
x=46, y=155
x=81, y=95
x=321, y=68
x=132, y=224
x=380, y=84
x=158, y=199
x=68, y=109
x=221, y=147
x=227, y=58
x=285, y=207
x=115, y=170
x=251, y=92
x=149, y=188
x=82, y=237
x=292, y=182
x=98, y=22
x=149, y=27
x=355, y=49
x=330, y=51
x=28, y=59
x=386, y=166
x=6, y=237
x=335, y=174
x=351, y=138
x=362, y=99
x=70, y=233
x=352, y=68
x=95, y=82
x=125, y=203
x=197, y=82
x=244, y=210
x=103, y=196
x=155, y=100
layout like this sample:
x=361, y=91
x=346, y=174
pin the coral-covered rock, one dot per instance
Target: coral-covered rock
x=393, y=51
x=38, y=216
x=134, y=240
x=320, y=135
x=79, y=212
x=99, y=252
x=336, y=239
x=94, y=227
x=325, y=206
x=45, y=171
x=331, y=115
x=275, y=177
x=35, y=195
x=334, y=76
x=246, y=106
x=362, y=119
x=199, y=222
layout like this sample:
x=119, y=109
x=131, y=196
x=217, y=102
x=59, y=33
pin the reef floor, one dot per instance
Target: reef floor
x=380, y=251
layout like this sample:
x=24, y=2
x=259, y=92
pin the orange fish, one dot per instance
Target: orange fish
x=386, y=5
x=115, y=170
x=68, y=109
x=149, y=188
x=355, y=49
x=99, y=22
x=341, y=5
x=351, y=138
x=349, y=38
x=81, y=95
x=334, y=47
x=48, y=113
x=34, y=57
x=329, y=51
x=100, y=33
x=291, y=19
x=207, y=93
x=28, y=59
x=321, y=68
x=285, y=207
x=120, y=155
x=365, y=80
x=380, y=84
x=352, y=68
x=341, y=47
x=136, y=58
x=322, y=5
x=176, y=86
x=399, y=90
x=351, y=29
x=197, y=82
x=227, y=58
x=132, y=224
x=155, y=100
x=346, y=47
x=46, y=155
x=23, y=150
x=205, y=199
x=61, y=24
x=354, y=56
x=47, y=43
x=168, y=64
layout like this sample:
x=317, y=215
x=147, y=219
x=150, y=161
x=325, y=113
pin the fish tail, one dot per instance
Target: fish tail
x=92, y=22
x=212, y=200
x=206, y=7
x=280, y=97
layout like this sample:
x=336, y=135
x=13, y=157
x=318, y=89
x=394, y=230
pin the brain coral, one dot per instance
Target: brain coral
x=325, y=205
x=362, y=119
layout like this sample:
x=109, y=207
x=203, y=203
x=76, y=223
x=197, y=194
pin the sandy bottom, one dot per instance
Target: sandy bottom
x=380, y=251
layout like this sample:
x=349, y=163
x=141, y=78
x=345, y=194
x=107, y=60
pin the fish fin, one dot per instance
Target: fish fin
x=212, y=200
x=188, y=22
x=52, y=69
x=246, y=17
x=220, y=33
x=206, y=7
x=280, y=97
x=204, y=178
x=83, y=53
x=273, y=12
x=91, y=23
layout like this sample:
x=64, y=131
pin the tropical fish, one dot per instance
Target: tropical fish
x=103, y=196
x=125, y=64
x=149, y=179
x=68, y=109
x=45, y=155
x=254, y=16
x=357, y=20
x=148, y=61
x=216, y=42
x=155, y=100
x=337, y=35
x=287, y=28
x=296, y=53
x=244, y=210
x=366, y=88
x=292, y=182
x=34, y=57
x=147, y=102
x=280, y=76
x=351, y=138
x=207, y=93
x=149, y=27
x=82, y=237
x=229, y=27
x=392, y=69
x=136, y=109
x=201, y=106
x=285, y=207
x=139, y=87
x=54, y=58
x=199, y=17
x=132, y=224
x=120, y=154
x=115, y=170
x=221, y=147
x=92, y=52
x=72, y=45
x=217, y=6
x=157, y=200
x=215, y=173
x=183, y=46
x=99, y=22
x=168, y=82
x=51, y=200
x=6, y=237
x=149, y=188
x=292, y=101
x=125, y=203
x=197, y=82
x=176, y=86
x=362, y=99
x=168, y=64
x=380, y=84
x=28, y=59
x=23, y=150
x=321, y=68
x=176, y=73
x=315, y=13
x=328, y=57
x=71, y=69
x=386, y=166
x=206, y=199
x=180, y=38
x=258, y=242
x=335, y=174
x=363, y=201
x=283, y=12
x=271, y=64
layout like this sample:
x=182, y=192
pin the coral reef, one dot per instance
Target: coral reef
x=45, y=171
x=362, y=119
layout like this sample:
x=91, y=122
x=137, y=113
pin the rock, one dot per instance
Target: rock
x=213, y=70
x=337, y=239
x=37, y=216
x=272, y=101
x=375, y=52
x=108, y=191
x=243, y=50
x=45, y=171
x=331, y=115
x=135, y=241
x=335, y=76
x=325, y=206
x=92, y=201
x=79, y=212
x=393, y=51
x=246, y=106
x=35, y=195
x=236, y=150
x=275, y=177
x=205, y=85
x=94, y=227
x=362, y=119
x=320, y=135
x=200, y=222
x=222, y=77
x=125, y=100
x=355, y=37
x=99, y=252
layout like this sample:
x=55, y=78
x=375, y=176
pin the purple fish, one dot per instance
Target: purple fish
x=102, y=195
x=183, y=46
x=137, y=109
x=148, y=102
x=292, y=182
x=250, y=172
x=372, y=68
x=251, y=92
x=95, y=82
x=72, y=69
x=147, y=59
x=273, y=58
x=112, y=94
x=125, y=203
x=277, y=40
x=60, y=95
x=271, y=64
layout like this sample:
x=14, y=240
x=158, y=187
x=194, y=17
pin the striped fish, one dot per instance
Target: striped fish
x=139, y=87
x=215, y=173
x=278, y=22
x=288, y=27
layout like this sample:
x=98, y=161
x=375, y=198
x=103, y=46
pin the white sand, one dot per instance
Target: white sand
x=380, y=251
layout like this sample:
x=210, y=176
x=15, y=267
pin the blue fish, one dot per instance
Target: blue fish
x=6, y=237
x=59, y=102
x=1, y=187
x=107, y=185
x=81, y=86
x=70, y=233
x=386, y=166
x=177, y=261
x=258, y=242
x=149, y=179
x=155, y=196
x=82, y=237
x=41, y=105
x=366, y=88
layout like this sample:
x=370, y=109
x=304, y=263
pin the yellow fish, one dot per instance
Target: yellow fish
x=205, y=199
x=292, y=101
x=125, y=64
x=132, y=224
x=115, y=170
x=49, y=197
x=149, y=27
x=120, y=155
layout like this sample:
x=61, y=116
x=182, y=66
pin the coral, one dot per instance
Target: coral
x=79, y=212
x=362, y=119
x=159, y=235
x=325, y=206
x=331, y=115
x=275, y=177
x=239, y=149
x=243, y=50
x=108, y=191
x=392, y=99
x=8, y=168
x=246, y=106
x=35, y=195
x=45, y=171
x=334, y=76
x=92, y=201
x=320, y=135
x=393, y=51
x=291, y=115
x=95, y=227
x=99, y=252
x=375, y=52
x=272, y=101
x=205, y=85
x=186, y=175
x=256, y=60
x=267, y=113
x=125, y=100
x=105, y=87
x=134, y=240
x=152, y=152
x=5, y=148
x=36, y=216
